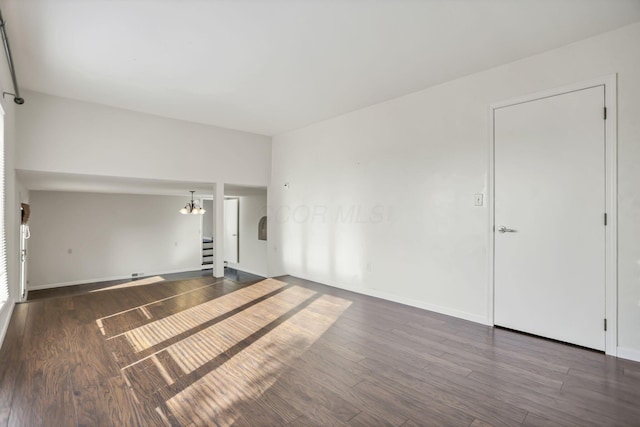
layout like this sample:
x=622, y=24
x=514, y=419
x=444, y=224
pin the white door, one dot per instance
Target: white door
x=549, y=263
x=24, y=236
x=231, y=211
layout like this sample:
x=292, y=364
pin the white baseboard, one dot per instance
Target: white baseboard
x=629, y=353
x=108, y=279
x=409, y=301
x=5, y=318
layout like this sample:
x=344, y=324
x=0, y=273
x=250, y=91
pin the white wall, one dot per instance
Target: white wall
x=110, y=236
x=68, y=136
x=253, y=252
x=381, y=199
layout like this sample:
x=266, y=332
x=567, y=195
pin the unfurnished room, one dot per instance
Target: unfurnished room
x=320, y=213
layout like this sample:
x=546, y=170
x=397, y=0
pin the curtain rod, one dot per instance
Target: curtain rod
x=16, y=96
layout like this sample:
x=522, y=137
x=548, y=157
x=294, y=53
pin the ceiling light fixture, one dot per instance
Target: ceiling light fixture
x=192, y=208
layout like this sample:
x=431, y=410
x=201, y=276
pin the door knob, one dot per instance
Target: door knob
x=503, y=229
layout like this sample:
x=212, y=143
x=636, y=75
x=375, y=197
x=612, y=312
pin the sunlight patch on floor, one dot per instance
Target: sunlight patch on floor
x=152, y=334
x=223, y=353
x=102, y=322
x=200, y=348
x=133, y=283
x=249, y=373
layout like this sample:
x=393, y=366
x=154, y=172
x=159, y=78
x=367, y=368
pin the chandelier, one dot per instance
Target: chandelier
x=192, y=208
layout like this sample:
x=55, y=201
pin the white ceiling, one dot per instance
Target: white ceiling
x=269, y=66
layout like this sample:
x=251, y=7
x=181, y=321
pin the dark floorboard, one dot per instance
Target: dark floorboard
x=240, y=276
x=66, y=291
x=199, y=351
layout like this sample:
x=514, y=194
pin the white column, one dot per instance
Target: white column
x=218, y=230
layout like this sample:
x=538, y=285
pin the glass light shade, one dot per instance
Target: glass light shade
x=183, y=211
x=201, y=211
x=194, y=211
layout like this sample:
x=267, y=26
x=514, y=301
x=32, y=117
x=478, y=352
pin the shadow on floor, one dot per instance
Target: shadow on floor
x=229, y=273
x=240, y=276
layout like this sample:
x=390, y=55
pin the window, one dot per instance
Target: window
x=4, y=283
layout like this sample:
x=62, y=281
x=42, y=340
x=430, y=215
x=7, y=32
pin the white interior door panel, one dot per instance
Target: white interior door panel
x=549, y=183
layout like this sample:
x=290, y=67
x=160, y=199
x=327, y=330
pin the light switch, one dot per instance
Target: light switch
x=479, y=199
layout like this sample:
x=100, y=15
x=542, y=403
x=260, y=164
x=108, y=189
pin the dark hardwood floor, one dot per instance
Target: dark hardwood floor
x=115, y=284
x=205, y=351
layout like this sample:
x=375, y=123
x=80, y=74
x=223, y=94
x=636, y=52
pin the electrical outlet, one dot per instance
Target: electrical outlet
x=287, y=186
x=478, y=199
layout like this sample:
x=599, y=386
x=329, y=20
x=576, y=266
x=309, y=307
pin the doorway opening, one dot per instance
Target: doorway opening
x=206, y=234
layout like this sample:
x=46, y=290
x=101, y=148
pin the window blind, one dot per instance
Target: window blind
x=4, y=282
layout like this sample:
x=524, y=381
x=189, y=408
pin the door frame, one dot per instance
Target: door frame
x=611, y=191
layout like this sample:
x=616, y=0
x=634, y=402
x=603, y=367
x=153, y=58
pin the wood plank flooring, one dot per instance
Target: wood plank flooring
x=275, y=352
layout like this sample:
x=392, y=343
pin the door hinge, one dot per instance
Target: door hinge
x=605, y=113
x=605, y=324
x=605, y=219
